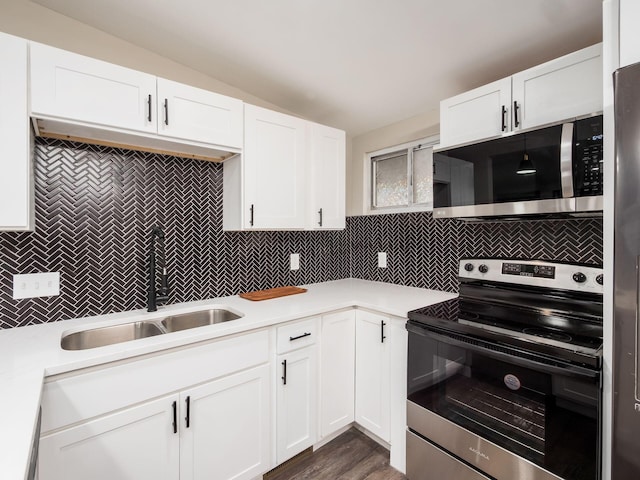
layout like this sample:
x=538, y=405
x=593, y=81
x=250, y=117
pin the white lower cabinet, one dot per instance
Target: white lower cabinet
x=136, y=443
x=227, y=436
x=296, y=416
x=337, y=371
x=296, y=388
x=372, y=373
x=216, y=425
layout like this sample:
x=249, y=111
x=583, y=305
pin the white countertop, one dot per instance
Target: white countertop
x=28, y=354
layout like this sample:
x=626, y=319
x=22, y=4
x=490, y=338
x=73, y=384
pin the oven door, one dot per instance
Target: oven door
x=511, y=414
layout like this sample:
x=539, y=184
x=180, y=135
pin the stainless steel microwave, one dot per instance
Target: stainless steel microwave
x=551, y=171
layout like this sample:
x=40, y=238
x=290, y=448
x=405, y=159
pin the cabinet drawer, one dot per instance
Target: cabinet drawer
x=71, y=399
x=296, y=335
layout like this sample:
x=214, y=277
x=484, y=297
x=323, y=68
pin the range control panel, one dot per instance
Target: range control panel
x=540, y=273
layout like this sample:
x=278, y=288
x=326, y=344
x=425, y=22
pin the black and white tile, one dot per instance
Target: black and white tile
x=424, y=252
x=96, y=205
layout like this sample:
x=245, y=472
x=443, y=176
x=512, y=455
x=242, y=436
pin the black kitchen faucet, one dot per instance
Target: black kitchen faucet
x=154, y=297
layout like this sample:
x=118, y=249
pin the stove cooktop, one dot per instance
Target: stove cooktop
x=552, y=333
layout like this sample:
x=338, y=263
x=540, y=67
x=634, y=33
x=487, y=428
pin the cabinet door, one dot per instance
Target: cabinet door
x=68, y=86
x=274, y=169
x=198, y=115
x=15, y=159
x=337, y=371
x=477, y=114
x=228, y=434
x=133, y=444
x=563, y=88
x=327, y=178
x=372, y=373
x=296, y=402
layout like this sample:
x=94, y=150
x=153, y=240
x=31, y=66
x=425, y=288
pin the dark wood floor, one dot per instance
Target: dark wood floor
x=351, y=456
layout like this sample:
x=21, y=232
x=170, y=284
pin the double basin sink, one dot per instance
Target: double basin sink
x=100, y=337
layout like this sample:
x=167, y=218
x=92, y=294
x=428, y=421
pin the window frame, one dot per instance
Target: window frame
x=369, y=192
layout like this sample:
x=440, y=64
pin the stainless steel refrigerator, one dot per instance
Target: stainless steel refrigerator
x=626, y=360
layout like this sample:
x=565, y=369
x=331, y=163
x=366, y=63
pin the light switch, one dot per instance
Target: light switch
x=382, y=259
x=294, y=261
x=33, y=285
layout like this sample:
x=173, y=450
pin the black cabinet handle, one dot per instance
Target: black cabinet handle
x=175, y=417
x=516, y=122
x=188, y=417
x=504, y=118
x=320, y=213
x=251, y=219
x=382, y=337
x=306, y=334
x=166, y=111
x=149, y=105
x=284, y=372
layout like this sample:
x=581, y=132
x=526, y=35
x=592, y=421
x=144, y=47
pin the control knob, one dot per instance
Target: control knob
x=483, y=269
x=599, y=279
x=579, y=277
x=468, y=267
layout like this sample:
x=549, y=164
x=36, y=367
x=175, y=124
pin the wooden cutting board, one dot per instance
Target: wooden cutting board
x=259, y=295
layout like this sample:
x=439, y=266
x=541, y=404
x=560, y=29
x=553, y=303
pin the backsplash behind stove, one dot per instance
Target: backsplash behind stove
x=96, y=205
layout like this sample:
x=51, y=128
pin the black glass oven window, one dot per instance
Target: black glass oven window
x=550, y=420
x=488, y=172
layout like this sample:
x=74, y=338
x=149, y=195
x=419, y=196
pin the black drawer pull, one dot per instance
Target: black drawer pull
x=149, y=103
x=284, y=372
x=382, y=336
x=504, y=118
x=320, y=213
x=188, y=417
x=307, y=334
x=166, y=111
x=175, y=417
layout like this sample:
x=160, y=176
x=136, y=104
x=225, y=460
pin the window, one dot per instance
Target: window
x=401, y=178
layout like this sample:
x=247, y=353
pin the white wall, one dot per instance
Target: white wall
x=413, y=128
x=34, y=22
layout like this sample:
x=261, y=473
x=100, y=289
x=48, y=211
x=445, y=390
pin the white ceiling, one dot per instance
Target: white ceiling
x=353, y=64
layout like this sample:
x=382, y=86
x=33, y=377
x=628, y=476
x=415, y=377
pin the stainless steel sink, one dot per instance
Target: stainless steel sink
x=99, y=337
x=184, y=321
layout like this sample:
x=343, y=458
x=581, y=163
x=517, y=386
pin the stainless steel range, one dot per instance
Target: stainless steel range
x=505, y=381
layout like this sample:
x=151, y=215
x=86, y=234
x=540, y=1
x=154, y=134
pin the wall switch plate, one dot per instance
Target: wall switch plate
x=33, y=285
x=382, y=259
x=294, y=261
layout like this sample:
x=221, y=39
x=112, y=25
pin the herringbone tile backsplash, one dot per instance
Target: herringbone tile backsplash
x=96, y=205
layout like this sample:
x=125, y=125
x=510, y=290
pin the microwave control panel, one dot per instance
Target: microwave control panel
x=588, y=157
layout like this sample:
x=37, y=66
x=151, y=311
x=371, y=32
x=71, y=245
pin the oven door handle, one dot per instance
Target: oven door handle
x=566, y=369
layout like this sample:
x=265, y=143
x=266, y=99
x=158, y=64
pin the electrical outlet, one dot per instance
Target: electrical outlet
x=294, y=261
x=382, y=259
x=33, y=285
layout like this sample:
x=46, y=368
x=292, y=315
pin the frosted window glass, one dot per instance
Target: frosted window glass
x=391, y=181
x=423, y=176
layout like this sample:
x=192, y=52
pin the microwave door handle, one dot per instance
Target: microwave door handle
x=566, y=160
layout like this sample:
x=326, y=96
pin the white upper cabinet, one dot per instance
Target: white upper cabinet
x=16, y=181
x=192, y=113
x=274, y=169
x=291, y=173
x=95, y=101
x=476, y=114
x=566, y=87
x=327, y=178
x=65, y=85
